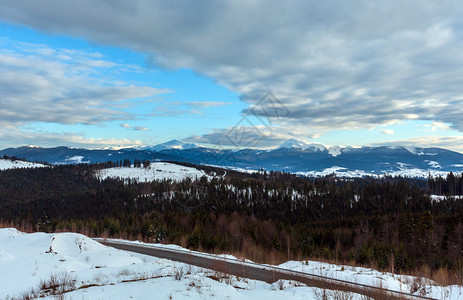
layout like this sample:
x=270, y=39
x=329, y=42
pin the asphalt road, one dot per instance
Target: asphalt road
x=258, y=272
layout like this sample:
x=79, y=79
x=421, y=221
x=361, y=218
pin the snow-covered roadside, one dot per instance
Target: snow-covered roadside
x=93, y=271
x=386, y=280
x=99, y=272
x=366, y=276
x=156, y=171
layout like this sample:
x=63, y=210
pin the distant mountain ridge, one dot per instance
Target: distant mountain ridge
x=173, y=144
x=292, y=143
x=292, y=156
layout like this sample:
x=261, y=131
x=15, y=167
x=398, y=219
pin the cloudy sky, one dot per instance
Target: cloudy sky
x=231, y=73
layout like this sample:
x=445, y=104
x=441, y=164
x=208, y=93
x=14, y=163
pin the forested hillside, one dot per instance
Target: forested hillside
x=387, y=223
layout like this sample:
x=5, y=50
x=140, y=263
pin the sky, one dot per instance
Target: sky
x=96, y=74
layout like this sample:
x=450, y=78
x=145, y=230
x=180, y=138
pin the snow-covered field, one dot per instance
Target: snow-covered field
x=344, y=172
x=6, y=164
x=31, y=263
x=156, y=171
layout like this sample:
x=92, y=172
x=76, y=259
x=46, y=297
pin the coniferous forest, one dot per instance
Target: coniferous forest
x=388, y=223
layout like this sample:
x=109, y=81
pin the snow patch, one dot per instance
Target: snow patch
x=334, y=150
x=439, y=198
x=293, y=143
x=338, y=171
x=403, y=172
x=9, y=233
x=412, y=150
x=156, y=171
x=5, y=256
x=6, y=164
x=76, y=159
x=418, y=151
x=173, y=144
x=418, y=173
x=433, y=164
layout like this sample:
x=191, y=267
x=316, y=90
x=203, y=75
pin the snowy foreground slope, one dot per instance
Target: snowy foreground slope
x=156, y=171
x=6, y=164
x=30, y=262
x=100, y=272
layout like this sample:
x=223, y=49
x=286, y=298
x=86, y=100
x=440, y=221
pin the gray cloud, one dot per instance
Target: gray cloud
x=40, y=84
x=140, y=128
x=174, y=109
x=136, y=128
x=333, y=64
x=182, y=109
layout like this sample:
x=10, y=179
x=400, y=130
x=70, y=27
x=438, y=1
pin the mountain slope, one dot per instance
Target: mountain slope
x=292, y=156
x=292, y=143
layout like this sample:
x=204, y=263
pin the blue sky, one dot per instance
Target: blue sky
x=188, y=103
x=118, y=74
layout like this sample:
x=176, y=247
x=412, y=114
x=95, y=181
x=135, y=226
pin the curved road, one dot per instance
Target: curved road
x=255, y=271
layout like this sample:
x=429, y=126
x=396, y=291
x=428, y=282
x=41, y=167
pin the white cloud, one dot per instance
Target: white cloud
x=454, y=143
x=13, y=137
x=207, y=104
x=387, y=131
x=434, y=126
x=439, y=126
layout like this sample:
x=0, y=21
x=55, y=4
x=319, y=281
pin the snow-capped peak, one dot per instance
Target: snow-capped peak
x=293, y=143
x=334, y=150
x=174, y=144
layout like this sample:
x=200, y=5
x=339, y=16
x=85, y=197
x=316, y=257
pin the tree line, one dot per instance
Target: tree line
x=390, y=223
x=451, y=185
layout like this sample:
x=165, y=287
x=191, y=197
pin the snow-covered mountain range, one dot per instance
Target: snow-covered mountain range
x=292, y=156
x=295, y=144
